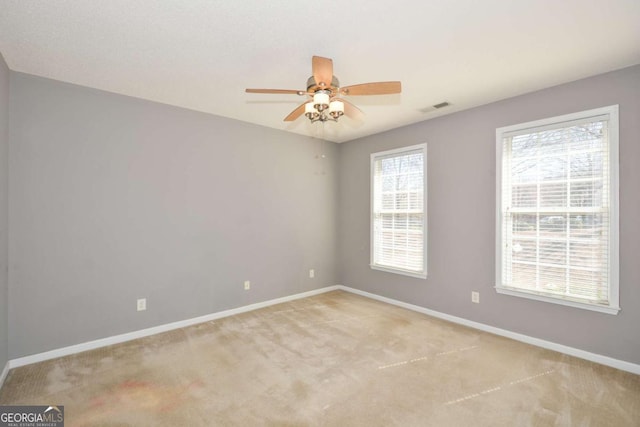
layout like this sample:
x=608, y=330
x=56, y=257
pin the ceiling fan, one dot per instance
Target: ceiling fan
x=325, y=94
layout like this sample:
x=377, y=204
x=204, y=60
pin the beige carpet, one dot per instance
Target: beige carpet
x=335, y=359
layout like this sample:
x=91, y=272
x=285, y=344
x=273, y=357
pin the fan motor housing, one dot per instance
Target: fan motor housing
x=312, y=86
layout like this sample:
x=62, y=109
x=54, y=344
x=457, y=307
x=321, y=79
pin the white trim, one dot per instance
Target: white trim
x=614, y=204
x=390, y=153
x=409, y=273
x=4, y=374
x=91, y=345
x=571, y=351
x=552, y=121
x=399, y=150
x=498, y=229
x=611, y=114
x=556, y=300
x=116, y=339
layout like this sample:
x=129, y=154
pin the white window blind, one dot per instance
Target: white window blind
x=398, y=223
x=557, y=212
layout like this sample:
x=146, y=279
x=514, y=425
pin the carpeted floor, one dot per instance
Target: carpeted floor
x=336, y=359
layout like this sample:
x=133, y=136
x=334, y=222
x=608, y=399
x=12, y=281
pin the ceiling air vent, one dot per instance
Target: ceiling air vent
x=434, y=107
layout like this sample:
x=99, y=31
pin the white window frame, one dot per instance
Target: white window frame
x=613, y=260
x=389, y=269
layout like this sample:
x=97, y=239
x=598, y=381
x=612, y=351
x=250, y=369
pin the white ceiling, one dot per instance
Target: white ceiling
x=202, y=54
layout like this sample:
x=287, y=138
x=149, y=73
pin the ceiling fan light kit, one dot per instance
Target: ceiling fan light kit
x=316, y=109
x=324, y=91
x=321, y=100
x=336, y=109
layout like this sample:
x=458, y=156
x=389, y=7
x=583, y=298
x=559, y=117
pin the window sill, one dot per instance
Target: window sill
x=417, y=275
x=570, y=303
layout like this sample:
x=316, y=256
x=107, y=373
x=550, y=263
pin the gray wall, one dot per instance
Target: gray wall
x=461, y=215
x=4, y=174
x=114, y=198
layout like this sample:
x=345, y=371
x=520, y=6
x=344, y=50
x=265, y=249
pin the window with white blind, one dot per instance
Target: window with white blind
x=557, y=210
x=398, y=211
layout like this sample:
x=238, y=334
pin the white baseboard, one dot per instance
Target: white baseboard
x=5, y=371
x=91, y=345
x=571, y=351
x=103, y=342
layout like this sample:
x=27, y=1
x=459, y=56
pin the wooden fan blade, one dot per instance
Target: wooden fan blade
x=278, y=91
x=295, y=113
x=322, y=70
x=378, y=88
x=351, y=110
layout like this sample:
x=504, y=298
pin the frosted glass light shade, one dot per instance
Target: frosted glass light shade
x=336, y=107
x=309, y=108
x=321, y=101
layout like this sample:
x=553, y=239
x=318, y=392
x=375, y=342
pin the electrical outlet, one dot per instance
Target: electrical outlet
x=475, y=297
x=312, y=273
x=247, y=285
x=142, y=304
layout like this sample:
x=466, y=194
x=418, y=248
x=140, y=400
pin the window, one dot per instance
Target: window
x=398, y=214
x=557, y=210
